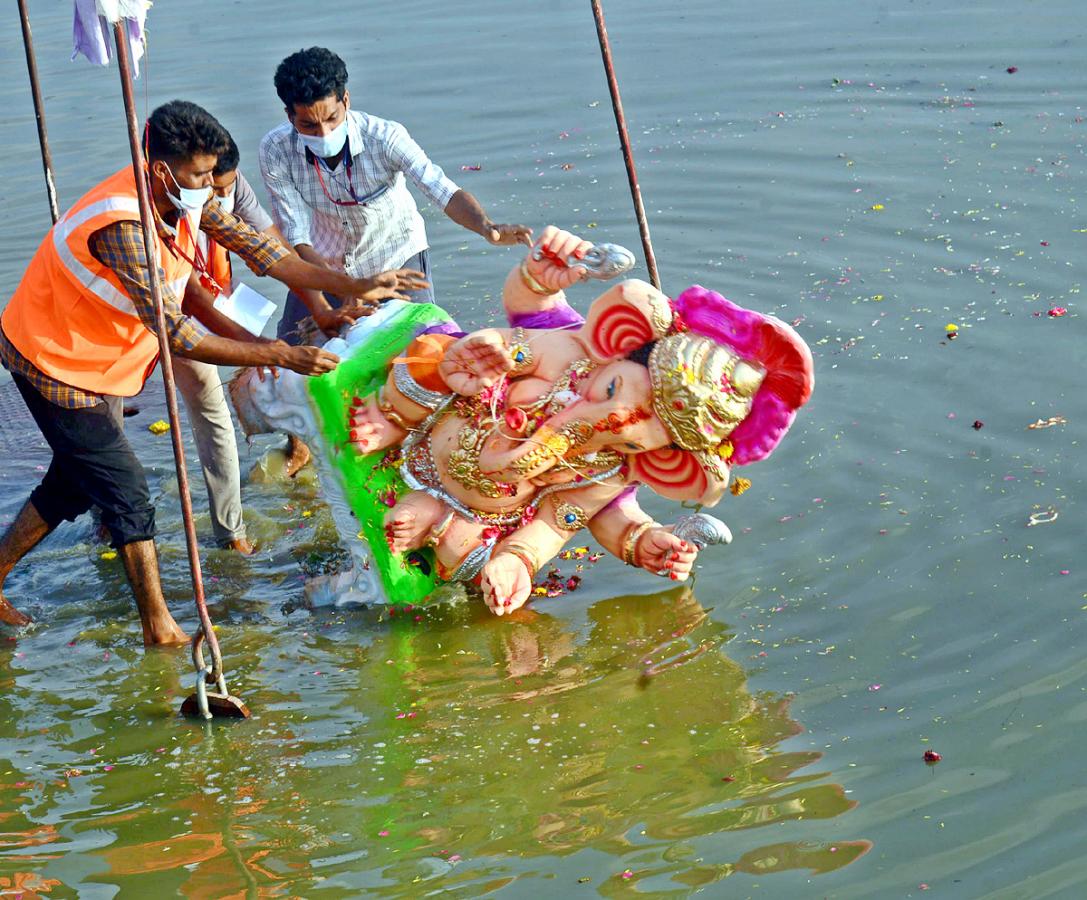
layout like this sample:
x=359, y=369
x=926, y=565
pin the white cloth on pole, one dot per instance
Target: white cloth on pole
x=91, y=33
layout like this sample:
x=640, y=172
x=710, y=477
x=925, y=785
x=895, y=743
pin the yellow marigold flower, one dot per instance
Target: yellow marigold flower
x=739, y=485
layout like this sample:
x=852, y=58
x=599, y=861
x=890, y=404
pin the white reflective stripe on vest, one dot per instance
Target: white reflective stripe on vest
x=102, y=288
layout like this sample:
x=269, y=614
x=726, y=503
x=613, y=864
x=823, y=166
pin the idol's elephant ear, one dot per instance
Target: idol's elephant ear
x=625, y=317
x=681, y=475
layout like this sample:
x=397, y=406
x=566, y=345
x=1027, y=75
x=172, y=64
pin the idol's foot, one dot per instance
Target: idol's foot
x=370, y=430
x=409, y=523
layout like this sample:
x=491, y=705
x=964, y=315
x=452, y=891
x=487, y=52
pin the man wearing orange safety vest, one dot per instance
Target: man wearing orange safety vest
x=79, y=334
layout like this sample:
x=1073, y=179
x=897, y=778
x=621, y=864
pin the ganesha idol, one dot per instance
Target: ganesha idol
x=453, y=457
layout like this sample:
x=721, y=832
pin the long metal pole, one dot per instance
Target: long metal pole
x=206, y=632
x=39, y=111
x=624, y=140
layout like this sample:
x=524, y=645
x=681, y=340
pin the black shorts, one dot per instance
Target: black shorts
x=93, y=465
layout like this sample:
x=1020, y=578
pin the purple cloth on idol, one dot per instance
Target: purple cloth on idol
x=450, y=327
x=559, y=316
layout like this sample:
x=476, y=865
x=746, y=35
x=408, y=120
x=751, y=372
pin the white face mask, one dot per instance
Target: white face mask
x=328, y=145
x=227, y=203
x=189, y=200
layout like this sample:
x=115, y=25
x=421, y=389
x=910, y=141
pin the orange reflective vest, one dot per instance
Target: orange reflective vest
x=219, y=265
x=71, y=316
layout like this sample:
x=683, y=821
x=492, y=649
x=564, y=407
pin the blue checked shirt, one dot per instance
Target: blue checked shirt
x=382, y=233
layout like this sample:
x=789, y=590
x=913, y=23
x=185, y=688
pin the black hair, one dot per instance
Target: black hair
x=228, y=159
x=179, y=130
x=641, y=355
x=310, y=75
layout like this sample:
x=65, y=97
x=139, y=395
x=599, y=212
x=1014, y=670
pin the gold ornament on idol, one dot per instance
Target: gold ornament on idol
x=463, y=465
x=630, y=542
x=520, y=352
x=532, y=284
x=552, y=445
x=524, y=553
x=701, y=391
x=570, y=516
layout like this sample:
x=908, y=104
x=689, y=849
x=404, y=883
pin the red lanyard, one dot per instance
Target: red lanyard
x=354, y=201
x=199, y=264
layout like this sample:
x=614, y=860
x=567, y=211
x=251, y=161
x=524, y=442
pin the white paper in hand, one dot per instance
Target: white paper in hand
x=246, y=307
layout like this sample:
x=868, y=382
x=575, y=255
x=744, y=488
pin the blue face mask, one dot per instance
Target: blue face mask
x=188, y=200
x=327, y=145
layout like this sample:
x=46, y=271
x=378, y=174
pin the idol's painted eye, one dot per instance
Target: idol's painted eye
x=613, y=387
x=630, y=445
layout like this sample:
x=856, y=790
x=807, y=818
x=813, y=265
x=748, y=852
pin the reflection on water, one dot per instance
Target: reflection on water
x=436, y=751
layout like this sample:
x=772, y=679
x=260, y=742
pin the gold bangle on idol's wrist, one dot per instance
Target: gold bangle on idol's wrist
x=630, y=542
x=532, y=284
x=525, y=554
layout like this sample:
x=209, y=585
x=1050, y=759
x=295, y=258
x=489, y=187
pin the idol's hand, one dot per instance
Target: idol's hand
x=506, y=584
x=662, y=553
x=475, y=362
x=547, y=261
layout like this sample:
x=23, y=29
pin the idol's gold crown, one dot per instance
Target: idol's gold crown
x=701, y=391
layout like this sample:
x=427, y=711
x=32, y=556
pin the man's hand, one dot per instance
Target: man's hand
x=305, y=360
x=390, y=285
x=508, y=235
x=331, y=321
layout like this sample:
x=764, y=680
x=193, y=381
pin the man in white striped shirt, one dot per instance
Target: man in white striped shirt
x=337, y=183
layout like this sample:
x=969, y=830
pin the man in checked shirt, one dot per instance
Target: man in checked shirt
x=79, y=334
x=336, y=180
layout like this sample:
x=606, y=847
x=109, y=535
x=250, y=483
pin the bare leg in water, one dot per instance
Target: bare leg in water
x=142, y=568
x=22, y=536
x=297, y=455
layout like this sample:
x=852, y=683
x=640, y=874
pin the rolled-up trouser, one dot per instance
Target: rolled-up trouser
x=216, y=445
x=294, y=311
x=93, y=465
